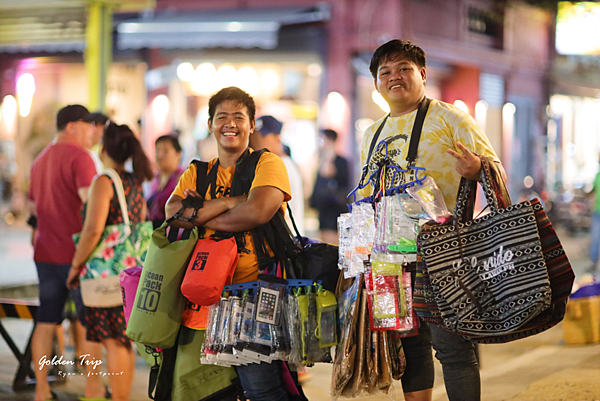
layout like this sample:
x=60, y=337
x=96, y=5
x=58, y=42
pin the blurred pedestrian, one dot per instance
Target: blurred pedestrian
x=595, y=231
x=60, y=177
x=267, y=134
x=107, y=325
x=168, y=160
x=331, y=187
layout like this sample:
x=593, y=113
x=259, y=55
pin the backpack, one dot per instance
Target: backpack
x=299, y=257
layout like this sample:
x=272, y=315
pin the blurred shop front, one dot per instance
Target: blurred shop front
x=574, y=111
x=304, y=61
x=42, y=69
x=276, y=54
x=489, y=59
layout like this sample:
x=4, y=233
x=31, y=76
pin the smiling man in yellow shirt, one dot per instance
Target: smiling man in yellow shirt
x=231, y=121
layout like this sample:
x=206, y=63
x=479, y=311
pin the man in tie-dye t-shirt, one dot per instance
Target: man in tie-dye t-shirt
x=448, y=147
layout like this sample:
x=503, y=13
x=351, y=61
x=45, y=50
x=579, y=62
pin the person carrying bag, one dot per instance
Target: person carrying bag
x=120, y=246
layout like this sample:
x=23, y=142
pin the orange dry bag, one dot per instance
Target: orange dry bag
x=211, y=268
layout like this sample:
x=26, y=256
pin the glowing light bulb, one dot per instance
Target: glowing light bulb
x=25, y=91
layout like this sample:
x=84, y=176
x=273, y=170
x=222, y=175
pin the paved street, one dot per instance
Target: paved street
x=534, y=369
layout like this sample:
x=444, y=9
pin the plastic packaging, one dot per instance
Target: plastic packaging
x=294, y=329
x=345, y=240
x=326, y=318
x=431, y=199
x=343, y=367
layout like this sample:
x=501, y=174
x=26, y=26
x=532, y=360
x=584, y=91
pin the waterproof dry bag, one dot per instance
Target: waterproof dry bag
x=129, y=280
x=210, y=269
x=158, y=306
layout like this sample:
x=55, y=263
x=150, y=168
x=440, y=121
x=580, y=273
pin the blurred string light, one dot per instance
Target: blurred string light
x=185, y=72
x=247, y=79
x=571, y=149
x=204, y=80
x=25, y=91
x=314, y=69
x=461, y=106
x=269, y=82
x=226, y=76
x=380, y=101
x=160, y=113
x=508, y=124
x=528, y=181
x=362, y=124
x=234, y=26
x=8, y=120
x=481, y=108
x=336, y=110
x=509, y=110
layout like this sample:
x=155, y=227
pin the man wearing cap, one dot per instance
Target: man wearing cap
x=267, y=134
x=60, y=177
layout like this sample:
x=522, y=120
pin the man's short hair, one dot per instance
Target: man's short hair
x=395, y=49
x=70, y=114
x=268, y=125
x=329, y=134
x=231, y=93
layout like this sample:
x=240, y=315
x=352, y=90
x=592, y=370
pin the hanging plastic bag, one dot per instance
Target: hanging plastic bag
x=388, y=294
x=345, y=240
x=431, y=199
x=355, y=386
x=315, y=353
x=376, y=324
x=294, y=329
x=326, y=318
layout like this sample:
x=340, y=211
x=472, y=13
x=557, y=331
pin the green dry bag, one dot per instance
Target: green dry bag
x=158, y=307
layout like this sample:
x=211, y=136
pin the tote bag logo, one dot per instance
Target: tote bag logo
x=200, y=261
x=150, y=292
x=495, y=265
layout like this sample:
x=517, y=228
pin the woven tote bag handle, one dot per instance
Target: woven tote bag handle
x=493, y=186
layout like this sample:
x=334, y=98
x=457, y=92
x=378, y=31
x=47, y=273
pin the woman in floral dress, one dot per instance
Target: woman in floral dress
x=107, y=325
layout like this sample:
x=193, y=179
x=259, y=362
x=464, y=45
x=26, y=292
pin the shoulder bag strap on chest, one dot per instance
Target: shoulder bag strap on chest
x=415, y=136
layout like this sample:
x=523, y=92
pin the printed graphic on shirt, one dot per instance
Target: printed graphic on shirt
x=444, y=126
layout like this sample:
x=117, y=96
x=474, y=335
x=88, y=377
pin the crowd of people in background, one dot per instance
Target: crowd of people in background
x=69, y=194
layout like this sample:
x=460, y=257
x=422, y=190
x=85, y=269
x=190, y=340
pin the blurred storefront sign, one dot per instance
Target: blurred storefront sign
x=237, y=28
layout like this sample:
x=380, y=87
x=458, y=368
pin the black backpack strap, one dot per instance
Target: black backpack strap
x=245, y=170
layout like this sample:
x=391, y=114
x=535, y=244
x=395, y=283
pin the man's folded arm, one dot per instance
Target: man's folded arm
x=211, y=209
x=262, y=204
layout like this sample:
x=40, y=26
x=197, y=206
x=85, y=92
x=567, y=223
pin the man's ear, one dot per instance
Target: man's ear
x=252, y=124
x=210, y=126
x=375, y=83
x=424, y=74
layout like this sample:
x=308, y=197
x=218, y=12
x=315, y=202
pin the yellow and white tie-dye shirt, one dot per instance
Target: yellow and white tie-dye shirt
x=444, y=126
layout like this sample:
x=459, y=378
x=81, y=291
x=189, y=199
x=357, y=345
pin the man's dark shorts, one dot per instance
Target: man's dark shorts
x=54, y=293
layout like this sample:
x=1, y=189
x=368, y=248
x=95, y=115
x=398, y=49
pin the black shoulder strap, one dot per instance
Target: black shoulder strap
x=245, y=170
x=375, y=138
x=201, y=171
